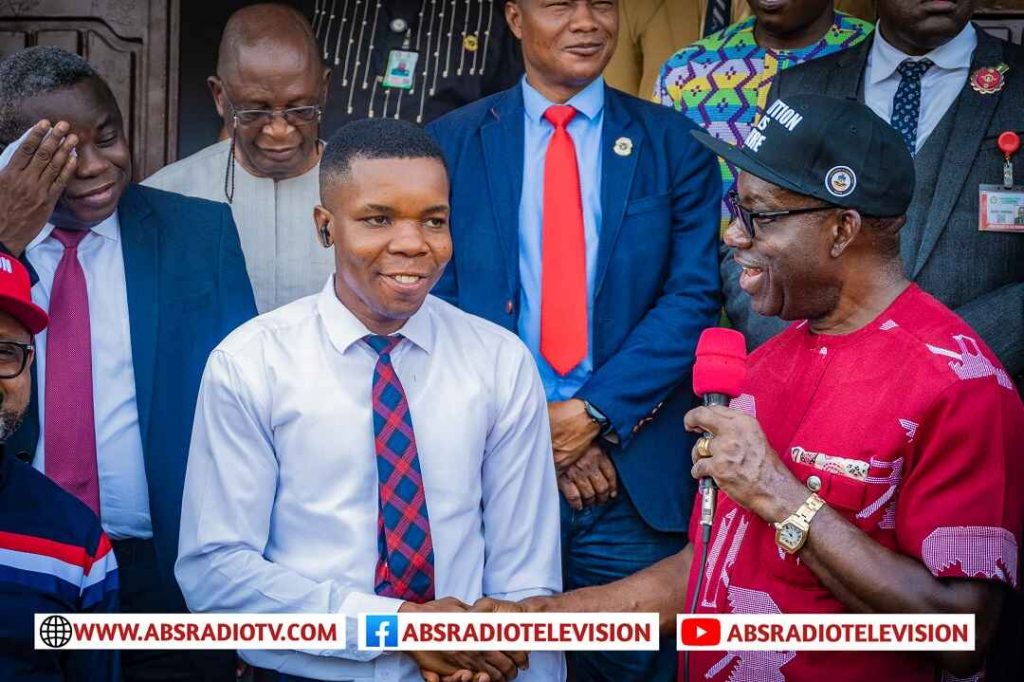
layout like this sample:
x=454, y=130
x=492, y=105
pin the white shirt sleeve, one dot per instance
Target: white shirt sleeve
x=230, y=487
x=520, y=501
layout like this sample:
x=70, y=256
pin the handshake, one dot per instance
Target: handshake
x=473, y=666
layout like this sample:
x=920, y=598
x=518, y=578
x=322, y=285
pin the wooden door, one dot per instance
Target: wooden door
x=134, y=46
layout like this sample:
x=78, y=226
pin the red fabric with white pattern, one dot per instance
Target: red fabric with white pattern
x=919, y=398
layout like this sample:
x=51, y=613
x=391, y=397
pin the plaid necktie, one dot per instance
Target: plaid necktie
x=906, y=104
x=405, y=553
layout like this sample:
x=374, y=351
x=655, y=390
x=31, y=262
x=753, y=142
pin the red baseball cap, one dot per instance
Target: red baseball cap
x=16, y=295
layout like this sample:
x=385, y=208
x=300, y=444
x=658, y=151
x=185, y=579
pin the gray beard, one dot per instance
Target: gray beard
x=9, y=423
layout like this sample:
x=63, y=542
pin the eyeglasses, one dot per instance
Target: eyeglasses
x=13, y=358
x=749, y=218
x=258, y=118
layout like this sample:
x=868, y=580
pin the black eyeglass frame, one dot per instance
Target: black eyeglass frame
x=27, y=350
x=747, y=217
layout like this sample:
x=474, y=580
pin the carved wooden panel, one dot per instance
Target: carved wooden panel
x=134, y=46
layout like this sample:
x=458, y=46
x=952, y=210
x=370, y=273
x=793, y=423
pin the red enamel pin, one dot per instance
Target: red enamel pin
x=989, y=80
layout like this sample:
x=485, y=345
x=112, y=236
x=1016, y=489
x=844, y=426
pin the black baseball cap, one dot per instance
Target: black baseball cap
x=836, y=150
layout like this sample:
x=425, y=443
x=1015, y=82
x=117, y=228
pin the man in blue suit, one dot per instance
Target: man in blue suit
x=585, y=220
x=140, y=285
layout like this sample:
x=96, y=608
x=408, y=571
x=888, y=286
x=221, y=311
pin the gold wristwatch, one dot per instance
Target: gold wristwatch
x=791, y=533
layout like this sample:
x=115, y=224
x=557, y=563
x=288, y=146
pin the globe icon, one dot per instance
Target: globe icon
x=55, y=631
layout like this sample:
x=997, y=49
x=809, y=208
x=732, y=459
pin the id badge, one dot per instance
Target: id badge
x=1001, y=209
x=400, y=69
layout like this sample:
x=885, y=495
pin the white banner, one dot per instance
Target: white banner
x=509, y=631
x=827, y=632
x=188, y=631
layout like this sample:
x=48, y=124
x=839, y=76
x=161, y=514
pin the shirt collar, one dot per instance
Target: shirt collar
x=951, y=55
x=345, y=329
x=108, y=229
x=589, y=101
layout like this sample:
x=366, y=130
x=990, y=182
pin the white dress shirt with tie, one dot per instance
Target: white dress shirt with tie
x=124, y=495
x=940, y=85
x=280, y=507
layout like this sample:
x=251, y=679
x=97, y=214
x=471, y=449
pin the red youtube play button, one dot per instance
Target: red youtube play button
x=700, y=631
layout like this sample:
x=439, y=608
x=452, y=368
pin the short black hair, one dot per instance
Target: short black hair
x=375, y=138
x=31, y=72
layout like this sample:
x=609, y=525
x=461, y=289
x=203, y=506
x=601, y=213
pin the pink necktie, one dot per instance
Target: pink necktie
x=70, y=421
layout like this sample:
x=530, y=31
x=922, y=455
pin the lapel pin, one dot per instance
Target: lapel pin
x=623, y=146
x=989, y=80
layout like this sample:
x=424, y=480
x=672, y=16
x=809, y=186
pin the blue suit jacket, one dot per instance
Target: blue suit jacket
x=187, y=289
x=656, y=285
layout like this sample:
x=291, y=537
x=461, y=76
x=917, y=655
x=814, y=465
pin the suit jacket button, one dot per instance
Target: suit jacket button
x=509, y=306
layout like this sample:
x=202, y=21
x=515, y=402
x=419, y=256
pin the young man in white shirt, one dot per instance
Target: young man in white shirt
x=372, y=448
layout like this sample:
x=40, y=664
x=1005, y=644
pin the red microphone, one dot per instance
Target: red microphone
x=718, y=376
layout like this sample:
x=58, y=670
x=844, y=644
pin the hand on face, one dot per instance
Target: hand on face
x=572, y=431
x=741, y=461
x=33, y=181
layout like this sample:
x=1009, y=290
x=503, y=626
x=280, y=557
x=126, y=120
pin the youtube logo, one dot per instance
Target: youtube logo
x=700, y=631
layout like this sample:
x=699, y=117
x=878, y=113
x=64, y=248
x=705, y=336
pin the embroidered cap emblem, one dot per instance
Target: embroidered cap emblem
x=840, y=181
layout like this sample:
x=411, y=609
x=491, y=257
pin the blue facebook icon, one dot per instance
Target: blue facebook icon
x=382, y=631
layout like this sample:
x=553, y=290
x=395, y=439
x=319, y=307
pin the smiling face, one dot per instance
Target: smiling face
x=388, y=221
x=788, y=268
x=917, y=27
x=104, y=160
x=272, y=76
x=566, y=43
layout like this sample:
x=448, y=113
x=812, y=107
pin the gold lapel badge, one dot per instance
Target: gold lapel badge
x=623, y=146
x=989, y=80
x=471, y=43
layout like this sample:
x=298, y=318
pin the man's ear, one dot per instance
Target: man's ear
x=217, y=91
x=514, y=18
x=325, y=82
x=847, y=228
x=324, y=223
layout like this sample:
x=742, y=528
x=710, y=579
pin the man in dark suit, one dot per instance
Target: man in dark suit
x=140, y=285
x=584, y=219
x=938, y=57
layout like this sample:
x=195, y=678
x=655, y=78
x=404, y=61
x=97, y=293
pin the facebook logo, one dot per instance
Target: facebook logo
x=381, y=631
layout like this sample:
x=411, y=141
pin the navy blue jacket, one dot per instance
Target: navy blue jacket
x=55, y=559
x=656, y=286
x=187, y=289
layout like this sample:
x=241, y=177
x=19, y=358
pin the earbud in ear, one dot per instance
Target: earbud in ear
x=325, y=236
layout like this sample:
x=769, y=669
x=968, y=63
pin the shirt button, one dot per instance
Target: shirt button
x=398, y=25
x=509, y=306
x=813, y=484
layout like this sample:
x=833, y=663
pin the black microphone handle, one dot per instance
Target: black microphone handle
x=707, y=484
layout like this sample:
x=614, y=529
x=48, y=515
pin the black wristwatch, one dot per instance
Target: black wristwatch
x=597, y=416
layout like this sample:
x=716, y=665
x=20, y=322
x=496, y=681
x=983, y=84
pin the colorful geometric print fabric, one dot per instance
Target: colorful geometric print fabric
x=722, y=81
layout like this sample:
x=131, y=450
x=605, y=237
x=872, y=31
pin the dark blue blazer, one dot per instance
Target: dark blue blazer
x=657, y=281
x=187, y=289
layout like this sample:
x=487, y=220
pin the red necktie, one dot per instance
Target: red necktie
x=70, y=421
x=563, y=298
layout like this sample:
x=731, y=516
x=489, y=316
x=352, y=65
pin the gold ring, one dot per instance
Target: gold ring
x=704, y=447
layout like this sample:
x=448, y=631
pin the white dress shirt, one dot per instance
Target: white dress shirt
x=940, y=85
x=280, y=506
x=284, y=259
x=124, y=495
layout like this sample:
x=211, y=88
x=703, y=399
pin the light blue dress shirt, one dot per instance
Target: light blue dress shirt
x=585, y=129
